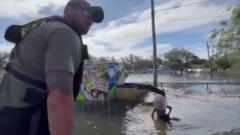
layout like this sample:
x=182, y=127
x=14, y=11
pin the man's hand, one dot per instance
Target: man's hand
x=60, y=102
x=170, y=110
x=154, y=110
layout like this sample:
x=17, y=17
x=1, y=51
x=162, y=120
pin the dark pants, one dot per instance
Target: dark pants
x=15, y=121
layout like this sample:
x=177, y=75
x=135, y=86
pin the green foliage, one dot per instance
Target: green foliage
x=227, y=37
x=236, y=15
x=133, y=62
x=234, y=59
x=223, y=63
x=125, y=73
x=180, y=59
x=102, y=73
x=92, y=59
x=200, y=63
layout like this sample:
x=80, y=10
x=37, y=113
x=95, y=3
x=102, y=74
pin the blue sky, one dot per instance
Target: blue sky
x=126, y=28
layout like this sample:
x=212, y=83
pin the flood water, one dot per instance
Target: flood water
x=200, y=113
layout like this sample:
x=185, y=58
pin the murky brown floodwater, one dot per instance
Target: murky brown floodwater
x=200, y=113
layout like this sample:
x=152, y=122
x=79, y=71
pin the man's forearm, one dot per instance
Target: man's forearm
x=61, y=113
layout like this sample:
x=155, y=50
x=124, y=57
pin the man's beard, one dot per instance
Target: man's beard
x=79, y=29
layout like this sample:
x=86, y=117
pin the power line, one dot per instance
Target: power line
x=192, y=19
x=195, y=19
x=203, y=18
x=183, y=5
x=145, y=24
x=186, y=19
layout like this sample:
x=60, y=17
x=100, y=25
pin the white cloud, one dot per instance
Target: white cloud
x=198, y=49
x=6, y=47
x=135, y=28
x=21, y=9
x=126, y=32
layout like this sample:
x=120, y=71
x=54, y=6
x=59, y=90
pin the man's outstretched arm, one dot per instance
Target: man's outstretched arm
x=60, y=102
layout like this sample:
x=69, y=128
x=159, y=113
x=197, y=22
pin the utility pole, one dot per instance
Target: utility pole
x=209, y=59
x=155, y=77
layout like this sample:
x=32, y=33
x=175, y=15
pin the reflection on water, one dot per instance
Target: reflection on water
x=232, y=132
x=200, y=113
x=220, y=89
x=117, y=117
x=198, y=116
x=101, y=118
x=191, y=77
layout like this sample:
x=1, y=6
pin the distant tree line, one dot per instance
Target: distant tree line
x=178, y=59
x=182, y=59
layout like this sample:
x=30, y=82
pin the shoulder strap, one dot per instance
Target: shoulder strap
x=37, y=83
x=16, y=33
